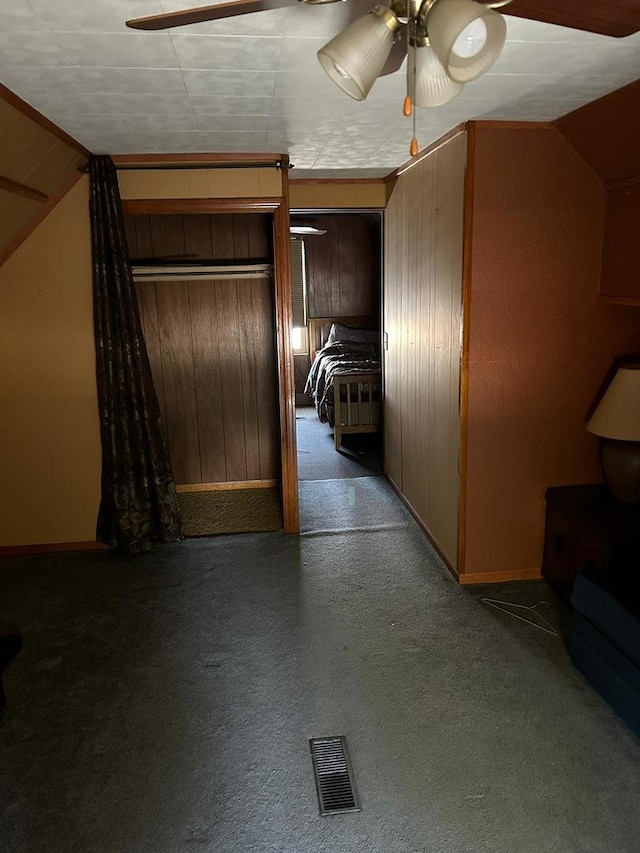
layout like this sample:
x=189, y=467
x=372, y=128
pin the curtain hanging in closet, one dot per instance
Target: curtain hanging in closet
x=139, y=505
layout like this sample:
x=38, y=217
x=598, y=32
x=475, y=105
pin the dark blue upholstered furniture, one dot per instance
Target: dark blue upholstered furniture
x=605, y=635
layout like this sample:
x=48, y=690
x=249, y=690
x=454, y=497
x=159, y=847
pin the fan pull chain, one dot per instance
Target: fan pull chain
x=408, y=108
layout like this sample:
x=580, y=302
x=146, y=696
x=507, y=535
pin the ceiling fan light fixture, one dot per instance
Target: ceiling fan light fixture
x=428, y=84
x=356, y=56
x=467, y=37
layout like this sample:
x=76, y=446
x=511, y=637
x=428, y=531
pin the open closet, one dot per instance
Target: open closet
x=205, y=292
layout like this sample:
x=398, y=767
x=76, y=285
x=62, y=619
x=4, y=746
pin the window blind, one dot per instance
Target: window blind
x=298, y=283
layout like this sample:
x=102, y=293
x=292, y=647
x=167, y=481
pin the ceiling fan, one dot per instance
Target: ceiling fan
x=448, y=42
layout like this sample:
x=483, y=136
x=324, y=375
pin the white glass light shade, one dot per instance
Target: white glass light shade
x=466, y=36
x=356, y=56
x=618, y=413
x=430, y=85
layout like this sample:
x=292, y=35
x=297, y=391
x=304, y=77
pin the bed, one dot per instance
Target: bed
x=345, y=379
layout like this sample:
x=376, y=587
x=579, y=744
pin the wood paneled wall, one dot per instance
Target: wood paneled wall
x=211, y=345
x=212, y=352
x=423, y=321
x=344, y=265
x=219, y=237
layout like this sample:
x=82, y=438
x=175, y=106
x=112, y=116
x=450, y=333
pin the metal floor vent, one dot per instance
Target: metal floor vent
x=334, y=775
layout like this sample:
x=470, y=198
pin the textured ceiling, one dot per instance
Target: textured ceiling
x=253, y=83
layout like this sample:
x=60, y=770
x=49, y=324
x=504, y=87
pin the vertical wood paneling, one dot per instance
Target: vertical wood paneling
x=218, y=237
x=207, y=365
x=223, y=242
x=212, y=348
x=167, y=236
x=144, y=240
x=260, y=238
x=132, y=239
x=148, y=307
x=368, y=267
x=226, y=302
x=178, y=378
x=198, y=242
x=391, y=326
x=348, y=265
x=318, y=271
x=344, y=265
x=246, y=295
x=422, y=315
x=241, y=235
x=267, y=389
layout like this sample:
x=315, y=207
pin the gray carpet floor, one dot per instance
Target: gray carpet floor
x=359, y=456
x=164, y=703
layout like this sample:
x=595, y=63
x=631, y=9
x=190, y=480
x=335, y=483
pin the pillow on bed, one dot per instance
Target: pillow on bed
x=351, y=335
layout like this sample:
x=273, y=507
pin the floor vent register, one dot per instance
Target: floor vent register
x=337, y=793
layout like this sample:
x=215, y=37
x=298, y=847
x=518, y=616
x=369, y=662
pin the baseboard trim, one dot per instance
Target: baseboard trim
x=421, y=524
x=227, y=487
x=468, y=578
x=49, y=548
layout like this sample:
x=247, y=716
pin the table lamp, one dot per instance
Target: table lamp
x=617, y=421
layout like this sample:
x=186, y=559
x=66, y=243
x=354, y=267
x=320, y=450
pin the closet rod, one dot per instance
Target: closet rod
x=173, y=273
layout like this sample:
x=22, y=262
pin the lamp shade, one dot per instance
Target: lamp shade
x=466, y=36
x=617, y=420
x=428, y=83
x=356, y=56
x=618, y=413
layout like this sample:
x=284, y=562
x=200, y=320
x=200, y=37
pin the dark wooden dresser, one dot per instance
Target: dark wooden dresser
x=586, y=528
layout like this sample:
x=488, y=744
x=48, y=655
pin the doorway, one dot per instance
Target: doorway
x=341, y=278
x=207, y=286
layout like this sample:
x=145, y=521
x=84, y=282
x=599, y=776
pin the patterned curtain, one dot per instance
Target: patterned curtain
x=139, y=505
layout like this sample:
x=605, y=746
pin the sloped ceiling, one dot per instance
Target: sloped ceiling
x=34, y=155
x=606, y=133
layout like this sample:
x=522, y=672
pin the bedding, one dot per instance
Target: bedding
x=339, y=332
x=339, y=357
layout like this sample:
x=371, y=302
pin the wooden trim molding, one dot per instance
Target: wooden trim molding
x=235, y=485
x=200, y=205
x=191, y=160
x=467, y=248
x=338, y=181
x=286, y=372
x=29, y=111
x=533, y=574
x=618, y=300
x=421, y=524
x=409, y=164
x=22, y=190
x=499, y=124
x=50, y=548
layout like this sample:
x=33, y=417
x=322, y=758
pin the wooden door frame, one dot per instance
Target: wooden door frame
x=279, y=207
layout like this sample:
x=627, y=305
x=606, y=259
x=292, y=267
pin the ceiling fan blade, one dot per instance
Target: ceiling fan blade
x=396, y=57
x=207, y=13
x=609, y=17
